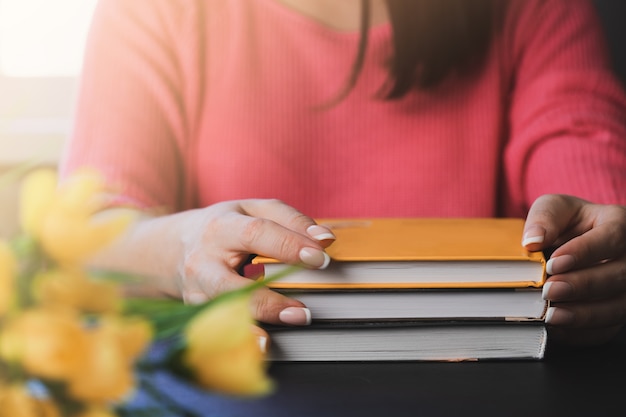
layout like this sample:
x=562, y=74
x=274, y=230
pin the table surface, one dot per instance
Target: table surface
x=573, y=382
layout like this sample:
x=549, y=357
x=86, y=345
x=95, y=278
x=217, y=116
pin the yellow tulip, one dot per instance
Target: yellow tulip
x=133, y=335
x=8, y=269
x=81, y=192
x=48, y=343
x=72, y=287
x=106, y=375
x=62, y=218
x=223, y=352
x=71, y=238
x=37, y=193
x=114, y=344
x=16, y=401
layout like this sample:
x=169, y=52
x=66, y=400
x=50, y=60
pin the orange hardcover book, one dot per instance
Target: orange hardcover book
x=413, y=253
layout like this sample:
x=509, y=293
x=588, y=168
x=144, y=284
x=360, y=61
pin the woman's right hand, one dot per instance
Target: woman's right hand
x=196, y=254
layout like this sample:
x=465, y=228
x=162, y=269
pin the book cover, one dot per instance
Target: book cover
x=421, y=253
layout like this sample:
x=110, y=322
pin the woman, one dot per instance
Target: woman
x=221, y=122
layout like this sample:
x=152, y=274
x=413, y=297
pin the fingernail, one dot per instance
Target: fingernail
x=320, y=233
x=559, y=316
x=560, y=264
x=295, y=315
x=557, y=291
x=315, y=258
x=195, y=298
x=262, y=343
x=534, y=234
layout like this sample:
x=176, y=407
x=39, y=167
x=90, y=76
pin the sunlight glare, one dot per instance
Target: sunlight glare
x=42, y=38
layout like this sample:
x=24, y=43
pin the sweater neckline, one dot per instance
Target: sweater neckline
x=310, y=23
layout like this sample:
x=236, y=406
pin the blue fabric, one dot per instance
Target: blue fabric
x=161, y=392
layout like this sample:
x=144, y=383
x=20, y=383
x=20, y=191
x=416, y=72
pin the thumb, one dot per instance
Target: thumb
x=270, y=307
x=550, y=221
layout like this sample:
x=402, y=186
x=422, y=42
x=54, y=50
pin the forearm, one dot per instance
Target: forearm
x=151, y=250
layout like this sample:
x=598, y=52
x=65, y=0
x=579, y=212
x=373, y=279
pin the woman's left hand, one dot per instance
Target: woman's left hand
x=587, y=270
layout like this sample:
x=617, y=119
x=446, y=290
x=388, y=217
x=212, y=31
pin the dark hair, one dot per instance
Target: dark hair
x=431, y=39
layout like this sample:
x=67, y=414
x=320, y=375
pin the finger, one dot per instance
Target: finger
x=245, y=234
x=266, y=227
x=603, y=280
x=582, y=337
x=586, y=233
x=605, y=240
x=549, y=218
x=274, y=308
x=597, y=313
x=289, y=218
x=267, y=306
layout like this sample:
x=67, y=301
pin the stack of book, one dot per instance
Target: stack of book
x=417, y=289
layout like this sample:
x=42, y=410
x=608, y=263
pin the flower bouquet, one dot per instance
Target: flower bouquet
x=71, y=343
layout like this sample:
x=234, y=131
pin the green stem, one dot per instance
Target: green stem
x=170, y=316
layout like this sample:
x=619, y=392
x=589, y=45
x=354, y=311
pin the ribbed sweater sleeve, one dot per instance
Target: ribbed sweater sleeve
x=568, y=114
x=135, y=113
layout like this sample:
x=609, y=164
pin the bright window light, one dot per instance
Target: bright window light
x=43, y=38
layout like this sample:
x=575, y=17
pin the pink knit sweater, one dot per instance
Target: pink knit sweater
x=185, y=103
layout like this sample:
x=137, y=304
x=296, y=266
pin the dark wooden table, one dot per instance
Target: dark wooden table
x=577, y=382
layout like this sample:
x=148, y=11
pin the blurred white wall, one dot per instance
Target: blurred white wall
x=41, y=47
x=35, y=117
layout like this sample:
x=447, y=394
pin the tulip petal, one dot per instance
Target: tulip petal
x=223, y=351
x=8, y=269
x=36, y=194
